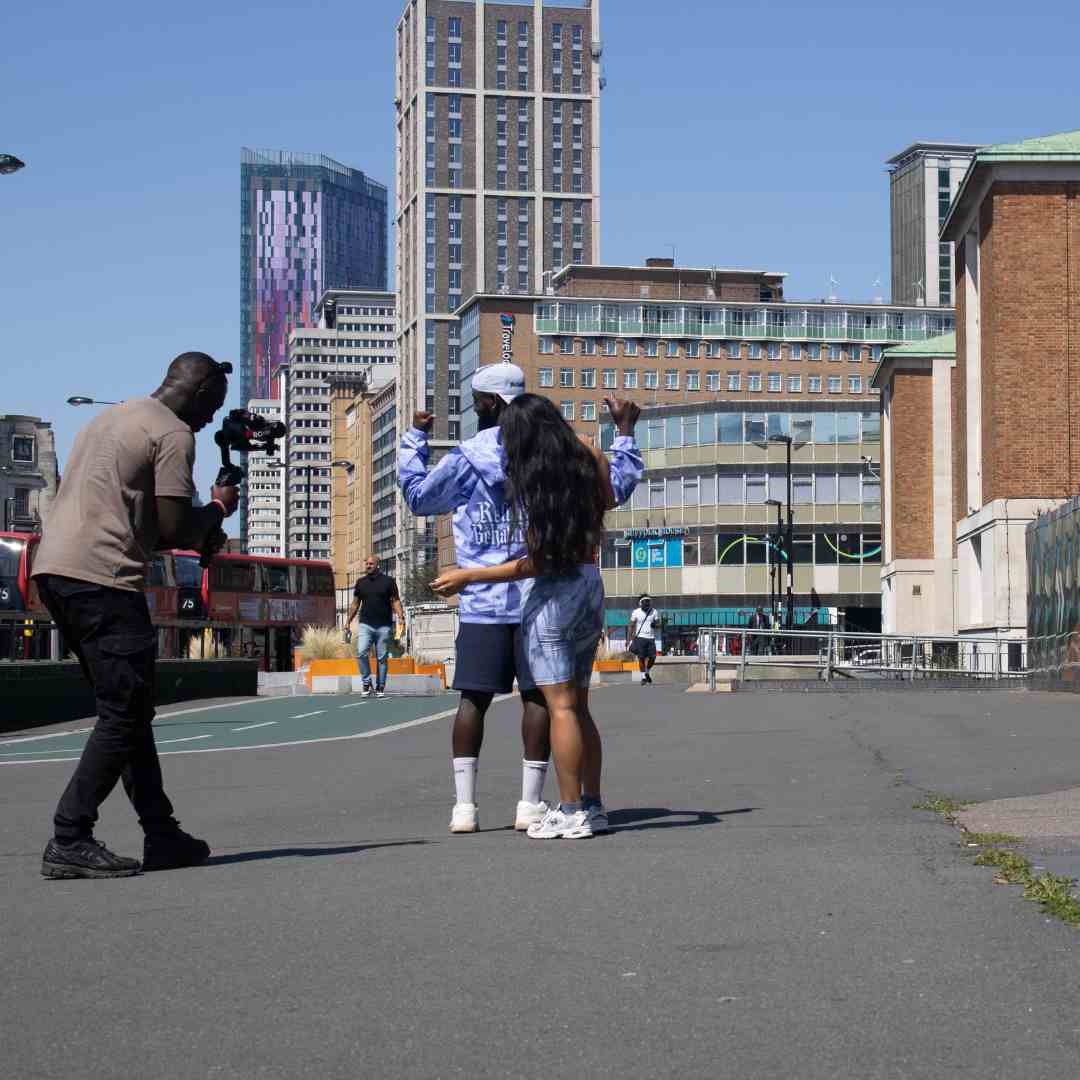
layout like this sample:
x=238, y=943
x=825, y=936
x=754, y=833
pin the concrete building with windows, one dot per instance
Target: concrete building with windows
x=352, y=343
x=924, y=177
x=391, y=536
x=498, y=171
x=29, y=474
x=722, y=360
x=265, y=484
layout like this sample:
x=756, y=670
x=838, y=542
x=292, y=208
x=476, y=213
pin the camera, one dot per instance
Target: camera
x=242, y=431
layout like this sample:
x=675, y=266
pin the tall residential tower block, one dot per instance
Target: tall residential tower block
x=498, y=168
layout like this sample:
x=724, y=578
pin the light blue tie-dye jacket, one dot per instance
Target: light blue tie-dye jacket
x=469, y=481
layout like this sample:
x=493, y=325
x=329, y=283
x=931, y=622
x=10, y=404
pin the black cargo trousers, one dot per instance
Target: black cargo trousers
x=110, y=632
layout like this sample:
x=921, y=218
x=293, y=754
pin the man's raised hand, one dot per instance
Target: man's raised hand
x=423, y=421
x=624, y=414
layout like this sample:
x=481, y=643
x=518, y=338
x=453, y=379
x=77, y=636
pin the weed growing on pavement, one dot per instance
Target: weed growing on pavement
x=942, y=804
x=1054, y=894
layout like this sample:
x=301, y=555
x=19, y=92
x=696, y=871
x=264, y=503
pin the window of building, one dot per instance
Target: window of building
x=794, y=384
x=453, y=77
x=651, y=347
x=693, y=380
x=22, y=448
x=813, y=384
x=754, y=350
x=453, y=55
x=834, y=352
x=835, y=384
x=712, y=380
x=753, y=382
x=813, y=351
x=566, y=376
x=734, y=380
x=672, y=348
x=652, y=380
x=567, y=410
x=854, y=353
x=734, y=350
x=773, y=350
x=566, y=345
x=588, y=378
x=854, y=384
x=671, y=379
x=776, y=383
x=547, y=376
x=588, y=410
x=630, y=347
x=610, y=382
x=795, y=351
x=609, y=346
x=588, y=346
x=500, y=30
x=630, y=379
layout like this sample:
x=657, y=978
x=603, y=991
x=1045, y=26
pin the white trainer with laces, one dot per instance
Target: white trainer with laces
x=465, y=818
x=559, y=826
x=598, y=819
x=529, y=813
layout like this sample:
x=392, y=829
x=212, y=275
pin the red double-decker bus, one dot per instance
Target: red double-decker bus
x=241, y=605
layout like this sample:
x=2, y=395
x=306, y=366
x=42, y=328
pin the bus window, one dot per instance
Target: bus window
x=275, y=579
x=320, y=581
x=11, y=599
x=189, y=573
x=155, y=574
x=228, y=575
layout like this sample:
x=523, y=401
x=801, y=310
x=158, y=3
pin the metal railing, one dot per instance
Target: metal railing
x=829, y=654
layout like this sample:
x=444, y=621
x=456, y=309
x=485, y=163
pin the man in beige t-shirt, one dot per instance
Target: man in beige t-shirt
x=127, y=492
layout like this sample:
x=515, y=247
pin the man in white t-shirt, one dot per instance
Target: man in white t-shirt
x=642, y=635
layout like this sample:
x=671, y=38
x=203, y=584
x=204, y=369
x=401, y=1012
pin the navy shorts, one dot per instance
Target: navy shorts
x=643, y=648
x=489, y=657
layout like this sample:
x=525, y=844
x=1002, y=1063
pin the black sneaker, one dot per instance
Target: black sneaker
x=172, y=850
x=84, y=859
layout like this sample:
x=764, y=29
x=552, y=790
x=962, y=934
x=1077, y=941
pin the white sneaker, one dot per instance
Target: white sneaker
x=597, y=816
x=365, y=691
x=529, y=813
x=559, y=826
x=380, y=693
x=464, y=818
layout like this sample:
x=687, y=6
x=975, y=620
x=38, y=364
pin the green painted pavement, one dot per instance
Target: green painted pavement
x=246, y=725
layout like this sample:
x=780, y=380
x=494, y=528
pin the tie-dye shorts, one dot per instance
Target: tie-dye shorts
x=562, y=619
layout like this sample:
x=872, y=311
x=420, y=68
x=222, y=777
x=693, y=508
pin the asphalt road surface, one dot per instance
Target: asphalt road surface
x=769, y=905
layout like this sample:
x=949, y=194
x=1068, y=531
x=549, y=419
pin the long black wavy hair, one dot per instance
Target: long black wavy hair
x=554, y=480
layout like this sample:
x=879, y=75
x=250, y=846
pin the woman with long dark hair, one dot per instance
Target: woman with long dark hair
x=559, y=489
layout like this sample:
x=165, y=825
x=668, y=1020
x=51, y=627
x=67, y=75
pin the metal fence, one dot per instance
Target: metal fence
x=830, y=654
x=25, y=636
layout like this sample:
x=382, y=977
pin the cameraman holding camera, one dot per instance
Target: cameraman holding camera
x=126, y=493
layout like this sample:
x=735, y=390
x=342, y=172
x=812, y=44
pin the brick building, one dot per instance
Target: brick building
x=29, y=473
x=498, y=159
x=918, y=574
x=1016, y=423
x=722, y=361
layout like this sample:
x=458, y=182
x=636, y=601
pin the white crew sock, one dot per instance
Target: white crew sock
x=465, y=779
x=533, y=775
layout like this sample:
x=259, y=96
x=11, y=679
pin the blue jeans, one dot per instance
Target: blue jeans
x=365, y=636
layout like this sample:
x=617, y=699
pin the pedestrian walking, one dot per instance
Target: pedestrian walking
x=642, y=635
x=127, y=492
x=559, y=490
x=377, y=601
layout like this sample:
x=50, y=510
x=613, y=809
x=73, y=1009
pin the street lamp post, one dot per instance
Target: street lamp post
x=339, y=463
x=90, y=401
x=774, y=566
x=789, y=544
x=9, y=164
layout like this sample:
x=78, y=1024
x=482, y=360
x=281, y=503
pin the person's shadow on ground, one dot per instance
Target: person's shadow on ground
x=654, y=817
x=303, y=852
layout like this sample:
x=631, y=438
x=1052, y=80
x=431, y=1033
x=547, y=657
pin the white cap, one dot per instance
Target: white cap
x=504, y=380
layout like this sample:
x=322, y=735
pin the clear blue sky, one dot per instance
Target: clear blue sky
x=745, y=139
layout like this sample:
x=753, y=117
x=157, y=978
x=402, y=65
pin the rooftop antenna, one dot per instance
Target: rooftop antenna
x=878, y=296
x=832, y=298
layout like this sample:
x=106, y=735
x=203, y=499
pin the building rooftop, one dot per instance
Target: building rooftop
x=921, y=149
x=942, y=345
x=1060, y=149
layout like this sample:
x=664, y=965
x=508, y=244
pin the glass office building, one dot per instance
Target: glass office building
x=307, y=224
